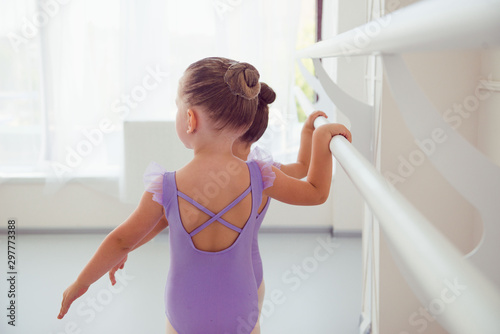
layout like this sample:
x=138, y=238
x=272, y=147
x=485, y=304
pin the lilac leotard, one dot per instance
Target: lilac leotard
x=209, y=292
x=265, y=160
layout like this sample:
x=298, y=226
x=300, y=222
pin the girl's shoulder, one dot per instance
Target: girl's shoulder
x=265, y=162
x=153, y=180
x=260, y=154
x=156, y=178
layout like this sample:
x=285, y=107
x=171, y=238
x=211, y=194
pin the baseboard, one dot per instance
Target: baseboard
x=263, y=229
x=347, y=233
x=57, y=230
x=296, y=229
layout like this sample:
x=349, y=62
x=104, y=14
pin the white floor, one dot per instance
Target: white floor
x=313, y=285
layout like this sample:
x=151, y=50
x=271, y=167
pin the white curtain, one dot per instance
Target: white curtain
x=103, y=62
x=20, y=97
x=81, y=75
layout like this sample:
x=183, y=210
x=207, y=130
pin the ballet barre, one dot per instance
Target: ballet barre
x=427, y=259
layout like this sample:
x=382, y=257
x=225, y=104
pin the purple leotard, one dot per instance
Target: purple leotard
x=265, y=160
x=209, y=292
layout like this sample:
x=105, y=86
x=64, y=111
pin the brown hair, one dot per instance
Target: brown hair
x=259, y=125
x=228, y=90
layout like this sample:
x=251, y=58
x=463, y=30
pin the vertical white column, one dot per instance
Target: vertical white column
x=488, y=138
x=489, y=115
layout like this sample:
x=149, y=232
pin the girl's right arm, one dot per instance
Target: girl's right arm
x=160, y=226
x=114, y=248
x=316, y=188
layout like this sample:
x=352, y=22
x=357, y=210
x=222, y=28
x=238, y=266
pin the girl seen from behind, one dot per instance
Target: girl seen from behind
x=211, y=204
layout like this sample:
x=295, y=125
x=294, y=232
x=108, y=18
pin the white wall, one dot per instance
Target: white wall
x=447, y=78
x=75, y=205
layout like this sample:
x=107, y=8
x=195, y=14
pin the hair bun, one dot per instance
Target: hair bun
x=267, y=94
x=243, y=80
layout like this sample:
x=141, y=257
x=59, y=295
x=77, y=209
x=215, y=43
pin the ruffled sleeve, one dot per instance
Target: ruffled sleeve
x=153, y=181
x=266, y=163
x=258, y=153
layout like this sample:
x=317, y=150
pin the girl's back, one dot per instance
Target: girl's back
x=211, y=286
x=214, y=184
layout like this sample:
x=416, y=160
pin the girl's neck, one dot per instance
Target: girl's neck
x=241, y=149
x=215, y=145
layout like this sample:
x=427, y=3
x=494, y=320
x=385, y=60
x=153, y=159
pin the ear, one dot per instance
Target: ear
x=192, y=121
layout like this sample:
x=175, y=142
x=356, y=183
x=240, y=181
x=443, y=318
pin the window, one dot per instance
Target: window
x=20, y=89
x=60, y=69
x=72, y=71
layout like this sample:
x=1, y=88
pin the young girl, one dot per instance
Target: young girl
x=211, y=205
x=241, y=149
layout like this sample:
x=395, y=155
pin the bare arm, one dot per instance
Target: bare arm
x=160, y=226
x=316, y=188
x=299, y=169
x=115, y=247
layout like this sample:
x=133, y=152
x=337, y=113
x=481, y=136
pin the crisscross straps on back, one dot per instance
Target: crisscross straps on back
x=215, y=217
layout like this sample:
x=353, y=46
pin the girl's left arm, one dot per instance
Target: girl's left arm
x=114, y=248
x=299, y=169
